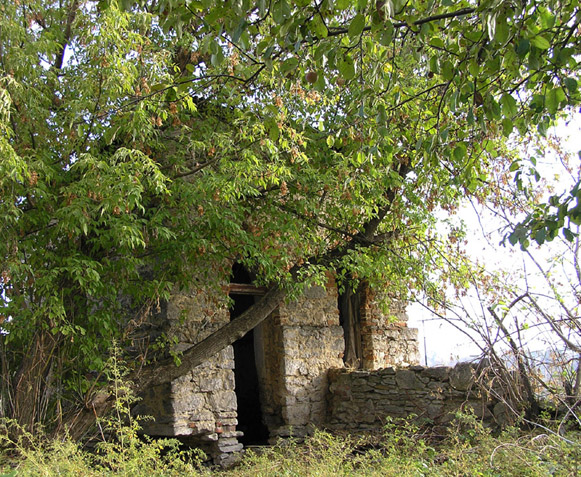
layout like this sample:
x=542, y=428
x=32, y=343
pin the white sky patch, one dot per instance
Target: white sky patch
x=443, y=344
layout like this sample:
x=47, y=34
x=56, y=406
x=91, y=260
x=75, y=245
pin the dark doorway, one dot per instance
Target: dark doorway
x=250, y=420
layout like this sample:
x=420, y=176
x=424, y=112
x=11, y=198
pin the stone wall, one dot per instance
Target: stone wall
x=362, y=400
x=385, y=338
x=312, y=341
x=199, y=407
x=294, y=348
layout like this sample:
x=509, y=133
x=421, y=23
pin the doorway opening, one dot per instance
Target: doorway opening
x=250, y=418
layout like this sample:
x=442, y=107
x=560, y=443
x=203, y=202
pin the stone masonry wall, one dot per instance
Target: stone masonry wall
x=313, y=342
x=385, y=339
x=294, y=349
x=362, y=400
x=199, y=407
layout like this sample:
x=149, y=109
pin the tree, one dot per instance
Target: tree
x=145, y=142
x=522, y=313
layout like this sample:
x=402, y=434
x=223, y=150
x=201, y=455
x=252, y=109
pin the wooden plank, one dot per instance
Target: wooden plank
x=246, y=289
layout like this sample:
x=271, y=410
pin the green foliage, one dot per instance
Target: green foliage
x=121, y=452
x=125, y=452
x=561, y=214
x=403, y=449
x=406, y=449
x=147, y=147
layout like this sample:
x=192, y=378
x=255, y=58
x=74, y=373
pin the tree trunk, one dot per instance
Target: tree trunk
x=166, y=371
x=350, y=315
x=33, y=382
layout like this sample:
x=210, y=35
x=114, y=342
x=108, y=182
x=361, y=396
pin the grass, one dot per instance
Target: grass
x=402, y=449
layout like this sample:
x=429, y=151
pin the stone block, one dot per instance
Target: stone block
x=316, y=292
x=188, y=402
x=439, y=373
x=462, y=376
x=211, y=383
x=407, y=379
x=297, y=415
x=202, y=415
x=222, y=400
x=230, y=448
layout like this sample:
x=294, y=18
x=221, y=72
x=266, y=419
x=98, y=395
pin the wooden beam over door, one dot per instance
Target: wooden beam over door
x=246, y=289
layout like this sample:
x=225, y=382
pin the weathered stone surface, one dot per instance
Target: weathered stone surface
x=462, y=376
x=301, y=375
x=386, y=339
x=439, y=373
x=363, y=399
x=408, y=379
x=222, y=400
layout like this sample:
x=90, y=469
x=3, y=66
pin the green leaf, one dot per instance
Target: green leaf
x=347, y=67
x=474, y=68
x=507, y=127
x=523, y=47
x=547, y=19
x=570, y=84
x=540, y=42
x=319, y=27
x=459, y=151
x=217, y=58
x=356, y=26
x=437, y=42
x=281, y=11
x=386, y=35
x=509, y=105
x=447, y=70
x=434, y=64
x=273, y=132
x=570, y=236
x=289, y=65
x=513, y=238
x=553, y=98
x=502, y=30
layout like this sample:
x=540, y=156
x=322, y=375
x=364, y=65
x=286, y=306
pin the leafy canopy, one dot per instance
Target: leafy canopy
x=146, y=145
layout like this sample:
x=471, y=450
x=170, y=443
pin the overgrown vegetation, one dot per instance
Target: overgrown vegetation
x=144, y=146
x=402, y=449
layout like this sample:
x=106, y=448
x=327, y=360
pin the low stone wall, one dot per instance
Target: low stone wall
x=361, y=400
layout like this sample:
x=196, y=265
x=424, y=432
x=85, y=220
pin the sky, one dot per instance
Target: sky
x=440, y=342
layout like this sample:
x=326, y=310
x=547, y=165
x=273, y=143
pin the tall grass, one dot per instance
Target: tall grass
x=466, y=448
x=401, y=450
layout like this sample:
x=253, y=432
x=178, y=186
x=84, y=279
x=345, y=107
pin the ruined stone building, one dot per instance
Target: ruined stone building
x=327, y=360
x=274, y=381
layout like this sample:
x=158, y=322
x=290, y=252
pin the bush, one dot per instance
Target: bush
x=122, y=451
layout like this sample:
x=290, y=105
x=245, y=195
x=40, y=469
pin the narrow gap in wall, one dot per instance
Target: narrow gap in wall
x=349, y=303
x=250, y=420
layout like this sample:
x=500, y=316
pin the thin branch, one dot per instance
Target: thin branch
x=442, y=16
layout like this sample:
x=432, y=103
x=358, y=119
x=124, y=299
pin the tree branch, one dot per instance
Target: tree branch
x=442, y=16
